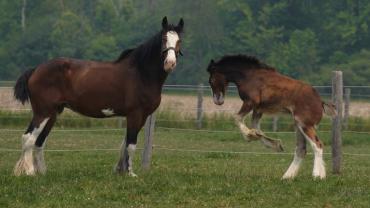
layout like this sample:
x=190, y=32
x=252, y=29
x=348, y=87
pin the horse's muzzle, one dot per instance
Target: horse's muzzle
x=218, y=99
x=169, y=66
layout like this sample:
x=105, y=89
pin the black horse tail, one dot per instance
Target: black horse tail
x=21, y=91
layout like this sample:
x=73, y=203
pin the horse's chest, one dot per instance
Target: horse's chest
x=150, y=102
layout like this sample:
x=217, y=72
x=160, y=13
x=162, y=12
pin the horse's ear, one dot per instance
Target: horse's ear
x=210, y=65
x=180, y=25
x=164, y=23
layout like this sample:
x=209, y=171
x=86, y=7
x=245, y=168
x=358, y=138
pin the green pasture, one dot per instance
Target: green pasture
x=189, y=169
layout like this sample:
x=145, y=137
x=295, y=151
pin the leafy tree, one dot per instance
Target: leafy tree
x=305, y=39
x=70, y=36
x=102, y=48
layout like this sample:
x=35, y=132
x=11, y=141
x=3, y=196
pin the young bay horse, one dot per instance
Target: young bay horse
x=130, y=86
x=263, y=90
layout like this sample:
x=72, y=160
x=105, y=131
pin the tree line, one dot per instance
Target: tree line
x=305, y=39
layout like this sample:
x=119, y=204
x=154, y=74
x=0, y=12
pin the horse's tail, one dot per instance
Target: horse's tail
x=329, y=109
x=21, y=91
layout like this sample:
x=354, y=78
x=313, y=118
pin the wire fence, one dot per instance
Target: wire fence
x=362, y=92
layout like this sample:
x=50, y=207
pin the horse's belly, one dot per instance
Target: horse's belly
x=273, y=109
x=98, y=107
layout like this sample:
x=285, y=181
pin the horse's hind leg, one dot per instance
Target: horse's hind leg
x=319, y=165
x=39, y=161
x=299, y=154
x=37, y=129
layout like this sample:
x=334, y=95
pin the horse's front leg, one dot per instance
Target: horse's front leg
x=128, y=147
x=248, y=134
x=267, y=141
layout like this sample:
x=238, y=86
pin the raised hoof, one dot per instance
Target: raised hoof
x=279, y=147
x=254, y=135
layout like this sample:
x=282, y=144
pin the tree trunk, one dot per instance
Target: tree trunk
x=115, y=8
x=62, y=4
x=24, y=15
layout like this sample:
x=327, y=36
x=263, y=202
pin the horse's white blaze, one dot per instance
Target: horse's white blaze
x=131, y=152
x=108, y=112
x=26, y=162
x=170, y=60
x=294, y=167
x=319, y=164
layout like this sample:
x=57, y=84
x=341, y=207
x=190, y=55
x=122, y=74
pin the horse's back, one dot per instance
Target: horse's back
x=275, y=93
x=78, y=84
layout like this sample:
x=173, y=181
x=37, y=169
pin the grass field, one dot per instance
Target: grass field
x=182, y=178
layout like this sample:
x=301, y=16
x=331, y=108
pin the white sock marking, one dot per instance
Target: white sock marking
x=39, y=160
x=26, y=163
x=131, y=152
x=294, y=167
x=319, y=164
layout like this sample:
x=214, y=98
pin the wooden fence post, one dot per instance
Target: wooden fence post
x=148, y=143
x=347, y=101
x=120, y=122
x=275, y=120
x=200, y=106
x=337, y=96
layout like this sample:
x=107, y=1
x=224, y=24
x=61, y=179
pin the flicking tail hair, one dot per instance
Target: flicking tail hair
x=21, y=91
x=329, y=109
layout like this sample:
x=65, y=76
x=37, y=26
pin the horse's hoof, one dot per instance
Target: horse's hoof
x=279, y=147
x=120, y=170
x=254, y=135
x=132, y=174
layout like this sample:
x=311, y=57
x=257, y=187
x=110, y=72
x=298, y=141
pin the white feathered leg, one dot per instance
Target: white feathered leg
x=26, y=162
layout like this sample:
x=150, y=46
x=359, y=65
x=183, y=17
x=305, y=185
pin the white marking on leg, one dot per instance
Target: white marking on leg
x=108, y=112
x=294, y=167
x=131, y=152
x=26, y=163
x=319, y=164
x=39, y=161
x=242, y=127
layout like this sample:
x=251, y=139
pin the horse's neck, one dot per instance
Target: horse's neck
x=235, y=76
x=154, y=75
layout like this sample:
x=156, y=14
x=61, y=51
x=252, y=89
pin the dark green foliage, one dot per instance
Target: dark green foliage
x=303, y=39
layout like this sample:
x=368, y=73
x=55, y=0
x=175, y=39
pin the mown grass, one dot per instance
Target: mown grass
x=180, y=178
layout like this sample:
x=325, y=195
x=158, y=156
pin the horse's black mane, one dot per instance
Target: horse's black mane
x=124, y=54
x=250, y=62
x=144, y=51
x=148, y=49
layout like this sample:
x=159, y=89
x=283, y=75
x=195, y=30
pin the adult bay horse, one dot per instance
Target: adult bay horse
x=130, y=86
x=263, y=90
